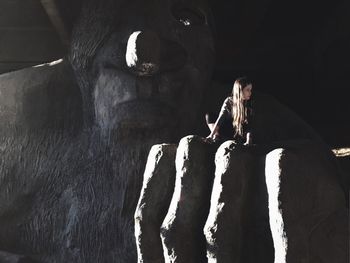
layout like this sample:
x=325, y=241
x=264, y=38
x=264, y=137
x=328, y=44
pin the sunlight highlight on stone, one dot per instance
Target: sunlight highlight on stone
x=50, y=64
x=340, y=152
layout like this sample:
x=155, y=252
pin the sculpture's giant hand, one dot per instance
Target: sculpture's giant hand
x=222, y=211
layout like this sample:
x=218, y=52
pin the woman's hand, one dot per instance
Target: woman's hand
x=212, y=137
x=248, y=139
x=209, y=138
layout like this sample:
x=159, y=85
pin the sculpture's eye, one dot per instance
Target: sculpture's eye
x=189, y=16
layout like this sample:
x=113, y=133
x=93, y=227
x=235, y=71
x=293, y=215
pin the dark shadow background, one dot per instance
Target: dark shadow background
x=297, y=51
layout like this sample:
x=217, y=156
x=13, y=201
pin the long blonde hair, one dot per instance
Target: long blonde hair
x=239, y=107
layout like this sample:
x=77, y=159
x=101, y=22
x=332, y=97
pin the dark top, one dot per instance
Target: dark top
x=226, y=129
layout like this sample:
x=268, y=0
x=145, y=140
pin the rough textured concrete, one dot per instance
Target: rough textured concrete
x=235, y=228
x=291, y=189
x=12, y=258
x=155, y=197
x=306, y=205
x=182, y=229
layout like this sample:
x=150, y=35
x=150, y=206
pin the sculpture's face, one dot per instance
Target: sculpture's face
x=153, y=65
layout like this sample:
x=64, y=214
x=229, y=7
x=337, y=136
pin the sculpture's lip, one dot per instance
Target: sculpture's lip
x=141, y=101
x=176, y=78
x=111, y=67
x=155, y=110
x=141, y=113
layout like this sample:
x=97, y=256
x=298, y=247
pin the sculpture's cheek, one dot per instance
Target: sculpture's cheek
x=163, y=101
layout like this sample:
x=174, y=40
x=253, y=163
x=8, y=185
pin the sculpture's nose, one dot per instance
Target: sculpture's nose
x=146, y=54
x=143, y=53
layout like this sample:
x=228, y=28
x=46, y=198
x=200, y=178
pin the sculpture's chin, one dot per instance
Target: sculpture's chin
x=144, y=113
x=143, y=119
x=145, y=134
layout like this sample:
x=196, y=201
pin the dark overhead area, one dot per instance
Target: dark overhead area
x=27, y=36
x=297, y=51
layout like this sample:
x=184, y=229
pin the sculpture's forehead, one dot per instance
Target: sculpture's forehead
x=150, y=2
x=121, y=4
x=136, y=11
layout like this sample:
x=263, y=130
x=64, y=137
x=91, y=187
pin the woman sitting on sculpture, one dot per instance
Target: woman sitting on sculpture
x=236, y=113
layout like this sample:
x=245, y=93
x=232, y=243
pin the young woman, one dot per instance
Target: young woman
x=236, y=111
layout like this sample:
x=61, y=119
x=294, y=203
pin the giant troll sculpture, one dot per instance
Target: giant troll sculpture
x=75, y=135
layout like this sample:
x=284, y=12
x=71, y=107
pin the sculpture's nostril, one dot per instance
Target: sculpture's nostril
x=143, y=52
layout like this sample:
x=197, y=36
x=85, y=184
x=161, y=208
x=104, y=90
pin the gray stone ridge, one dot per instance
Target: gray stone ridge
x=203, y=202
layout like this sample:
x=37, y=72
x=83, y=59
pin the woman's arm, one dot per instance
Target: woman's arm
x=224, y=110
x=249, y=135
x=249, y=140
x=214, y=130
